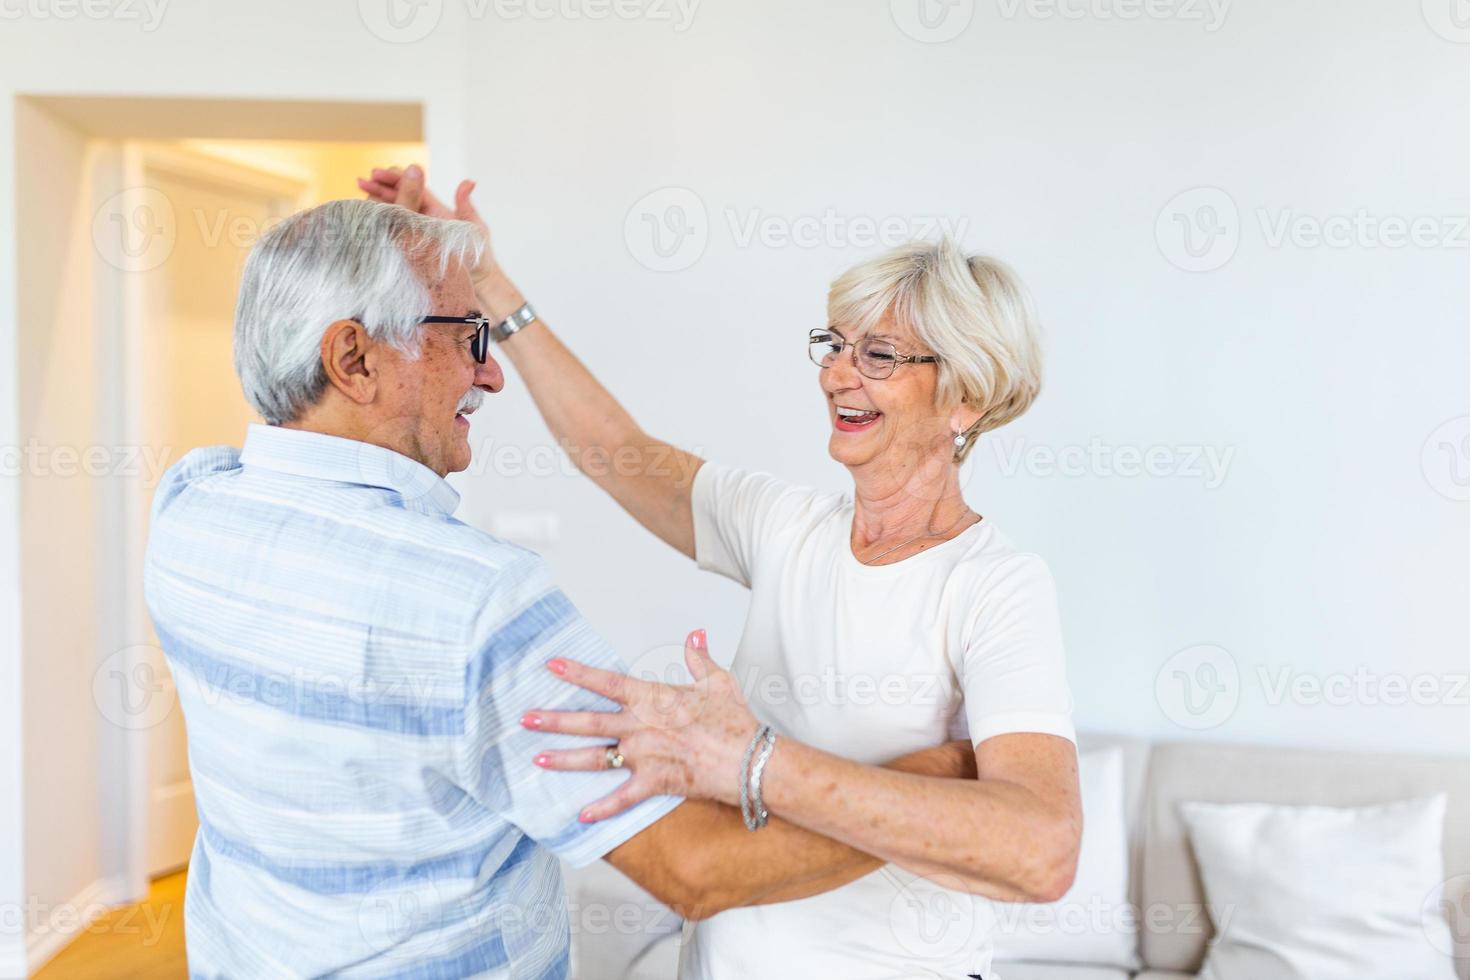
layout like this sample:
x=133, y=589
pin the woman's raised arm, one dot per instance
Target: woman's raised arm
x=652, y=480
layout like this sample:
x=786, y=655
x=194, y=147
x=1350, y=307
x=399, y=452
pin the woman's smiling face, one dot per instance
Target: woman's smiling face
x=893, y=421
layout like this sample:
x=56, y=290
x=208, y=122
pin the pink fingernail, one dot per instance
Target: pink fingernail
x=532, y=721
x=585, y=816
x=542, y=760
x=557, y=666
x=698, y=640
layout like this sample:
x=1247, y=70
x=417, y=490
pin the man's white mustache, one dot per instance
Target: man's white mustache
x=472, y=400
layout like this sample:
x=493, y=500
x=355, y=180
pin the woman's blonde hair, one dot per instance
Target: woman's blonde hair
x=971, y=311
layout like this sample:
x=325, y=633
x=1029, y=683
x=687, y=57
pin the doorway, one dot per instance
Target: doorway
x=137, y=239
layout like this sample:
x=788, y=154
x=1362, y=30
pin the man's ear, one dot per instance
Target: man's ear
x=348, y=362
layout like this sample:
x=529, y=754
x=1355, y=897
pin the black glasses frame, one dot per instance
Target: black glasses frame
x=479, y=343
x=824, y=335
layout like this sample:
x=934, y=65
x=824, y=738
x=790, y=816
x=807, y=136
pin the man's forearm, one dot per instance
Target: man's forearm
x=701, y=860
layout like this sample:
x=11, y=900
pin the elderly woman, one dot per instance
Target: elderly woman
x=917, y=618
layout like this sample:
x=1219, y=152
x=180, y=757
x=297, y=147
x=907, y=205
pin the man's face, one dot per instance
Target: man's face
x=424, y=402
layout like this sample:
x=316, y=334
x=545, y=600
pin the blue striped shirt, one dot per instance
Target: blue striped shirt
x=352, y=663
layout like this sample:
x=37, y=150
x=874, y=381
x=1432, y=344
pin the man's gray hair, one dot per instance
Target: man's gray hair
x=340, y=260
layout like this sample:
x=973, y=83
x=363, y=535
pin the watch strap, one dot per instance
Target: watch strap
x=518, y=320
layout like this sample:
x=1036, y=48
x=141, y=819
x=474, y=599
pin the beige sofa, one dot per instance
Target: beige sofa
x=1157, y=777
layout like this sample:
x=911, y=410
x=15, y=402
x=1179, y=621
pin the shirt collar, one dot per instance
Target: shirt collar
x=323, y=457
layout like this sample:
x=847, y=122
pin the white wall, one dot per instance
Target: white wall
x=1319, y=373
x=50, y=823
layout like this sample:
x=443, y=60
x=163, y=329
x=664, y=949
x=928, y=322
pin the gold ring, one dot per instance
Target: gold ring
x=614, y=757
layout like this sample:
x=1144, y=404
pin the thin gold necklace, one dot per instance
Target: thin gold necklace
x=917, y=537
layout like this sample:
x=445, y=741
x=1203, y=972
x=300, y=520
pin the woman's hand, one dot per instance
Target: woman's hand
x=679, y=740
x=405, y=187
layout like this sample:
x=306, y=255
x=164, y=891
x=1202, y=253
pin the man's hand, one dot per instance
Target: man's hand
x=405, y=187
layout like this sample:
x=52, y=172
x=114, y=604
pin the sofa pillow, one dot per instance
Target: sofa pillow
x=1094, y=922
x=1322, y=893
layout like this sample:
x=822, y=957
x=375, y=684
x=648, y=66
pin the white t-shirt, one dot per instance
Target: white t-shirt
x=870, y=663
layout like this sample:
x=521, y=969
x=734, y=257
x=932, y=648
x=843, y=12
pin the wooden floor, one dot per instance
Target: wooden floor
x=137, y=942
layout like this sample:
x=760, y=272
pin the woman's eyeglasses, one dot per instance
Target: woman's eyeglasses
x=876, y=359
x=479, y=343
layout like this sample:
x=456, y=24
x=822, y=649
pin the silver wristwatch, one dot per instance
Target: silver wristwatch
x=518, y=320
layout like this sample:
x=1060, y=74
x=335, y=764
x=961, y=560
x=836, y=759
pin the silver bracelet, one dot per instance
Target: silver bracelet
x=746, y=811
x=756, y=803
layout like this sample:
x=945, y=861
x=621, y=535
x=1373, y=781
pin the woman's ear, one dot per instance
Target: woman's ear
x=347, y=359
x=963, y=417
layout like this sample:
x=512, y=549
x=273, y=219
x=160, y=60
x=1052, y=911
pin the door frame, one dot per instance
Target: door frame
x=126, y=169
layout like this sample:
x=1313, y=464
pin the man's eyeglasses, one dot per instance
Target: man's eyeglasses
x=876, y=359
x=479, y=343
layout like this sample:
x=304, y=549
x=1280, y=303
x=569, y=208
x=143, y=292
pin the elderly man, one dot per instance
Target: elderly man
x=353, y=662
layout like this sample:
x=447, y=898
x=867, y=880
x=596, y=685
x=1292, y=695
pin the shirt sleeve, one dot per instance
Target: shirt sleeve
x=1013, y=668
x=526, y=621
x=736, y=514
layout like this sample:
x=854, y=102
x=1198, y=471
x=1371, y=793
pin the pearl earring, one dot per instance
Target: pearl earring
x=959, y=440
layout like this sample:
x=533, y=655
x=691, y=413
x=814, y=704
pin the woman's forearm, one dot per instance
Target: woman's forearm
x=991, y=837
x=652, y=480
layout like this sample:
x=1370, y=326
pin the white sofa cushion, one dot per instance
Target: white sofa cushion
x=1054, y=971
x=1094, y=922
x=1322, y=893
